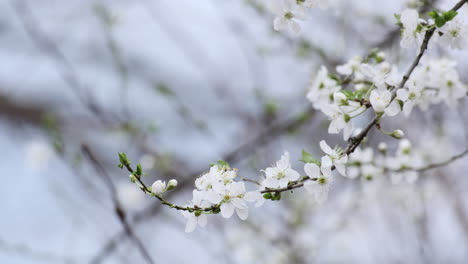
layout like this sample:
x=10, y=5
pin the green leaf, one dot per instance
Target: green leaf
x=433, y=14
x=267, y=196
x=123, y=158
x=398, y=19
x=334, y=77
x=308, y=158
x=139, y=170
x=449, y=15
x=440, y=21
x=276, y=196
x=348, y=94
x=223, y=164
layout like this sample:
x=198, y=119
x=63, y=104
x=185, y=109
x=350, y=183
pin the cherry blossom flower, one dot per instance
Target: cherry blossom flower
x=454, y=34
x=334, y=157
x=412, y=34
x=280, y=175
x=196, y=218
x=158, y=187
x=381, y=102
x=287, y=13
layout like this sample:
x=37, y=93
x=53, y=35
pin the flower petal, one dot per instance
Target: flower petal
x=312, y=170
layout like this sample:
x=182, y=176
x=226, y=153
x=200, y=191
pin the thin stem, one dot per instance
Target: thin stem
x=444, y=163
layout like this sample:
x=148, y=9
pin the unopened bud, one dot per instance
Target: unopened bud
x=171, y=184
x=398, y=134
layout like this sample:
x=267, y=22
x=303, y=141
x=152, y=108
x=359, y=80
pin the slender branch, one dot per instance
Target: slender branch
x=444, y=163
x=119, y=211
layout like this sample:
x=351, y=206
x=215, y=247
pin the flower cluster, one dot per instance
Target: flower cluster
x=319, y=173
x=217, y=187
x=361, y=83
x=289, y=12
x=370, y=79
x=400, y=167
x=414, y=28
x=374, y=84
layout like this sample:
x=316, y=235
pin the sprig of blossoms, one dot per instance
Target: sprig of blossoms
x=414, y=28
x=376, y=84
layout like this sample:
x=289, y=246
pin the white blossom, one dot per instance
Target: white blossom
x=158, y=187
x=454, y=34
x=334, y=157
x=412, y=34
x=287, y=12
x=280, y=175
x=352, y=66
x=380, y=101
x=321, y=88
x=194, y=219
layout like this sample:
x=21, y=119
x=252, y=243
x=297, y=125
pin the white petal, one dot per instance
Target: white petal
x=283, y=182
x=312, y=170
x=191, y=224
x=341, y=168
x=321, y=194
x=326, y=161
x=279, y=23
x=227, y=210
x=311, y=186
x=402, y=94
x=333, y=128
x=239, y=203
x=393, y=109
x=213, y=197
x=324, y=146
x=242, y=213
x=295, y=27
x=292, y=175
x=202, y=220
x=327, y=172
x=283, y=163
x=408, y=107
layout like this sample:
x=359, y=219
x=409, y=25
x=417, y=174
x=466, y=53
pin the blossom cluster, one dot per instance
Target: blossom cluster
x=319, y=173
x=373, y=82
x=217, y=187
x=402, y=166
x=361, y=83
x=414, y=28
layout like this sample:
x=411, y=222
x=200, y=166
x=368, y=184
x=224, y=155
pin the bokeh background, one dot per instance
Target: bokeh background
x=181, y=84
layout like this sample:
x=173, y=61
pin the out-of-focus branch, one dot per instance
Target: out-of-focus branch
x=16, y=112
x=30, y=253
x=444, y=163
x=46, y=45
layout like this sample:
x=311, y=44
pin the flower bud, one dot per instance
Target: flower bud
x=158, y=187
x=132, y=178
x=382, y=147
x=171, y=184
x=398, y=134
